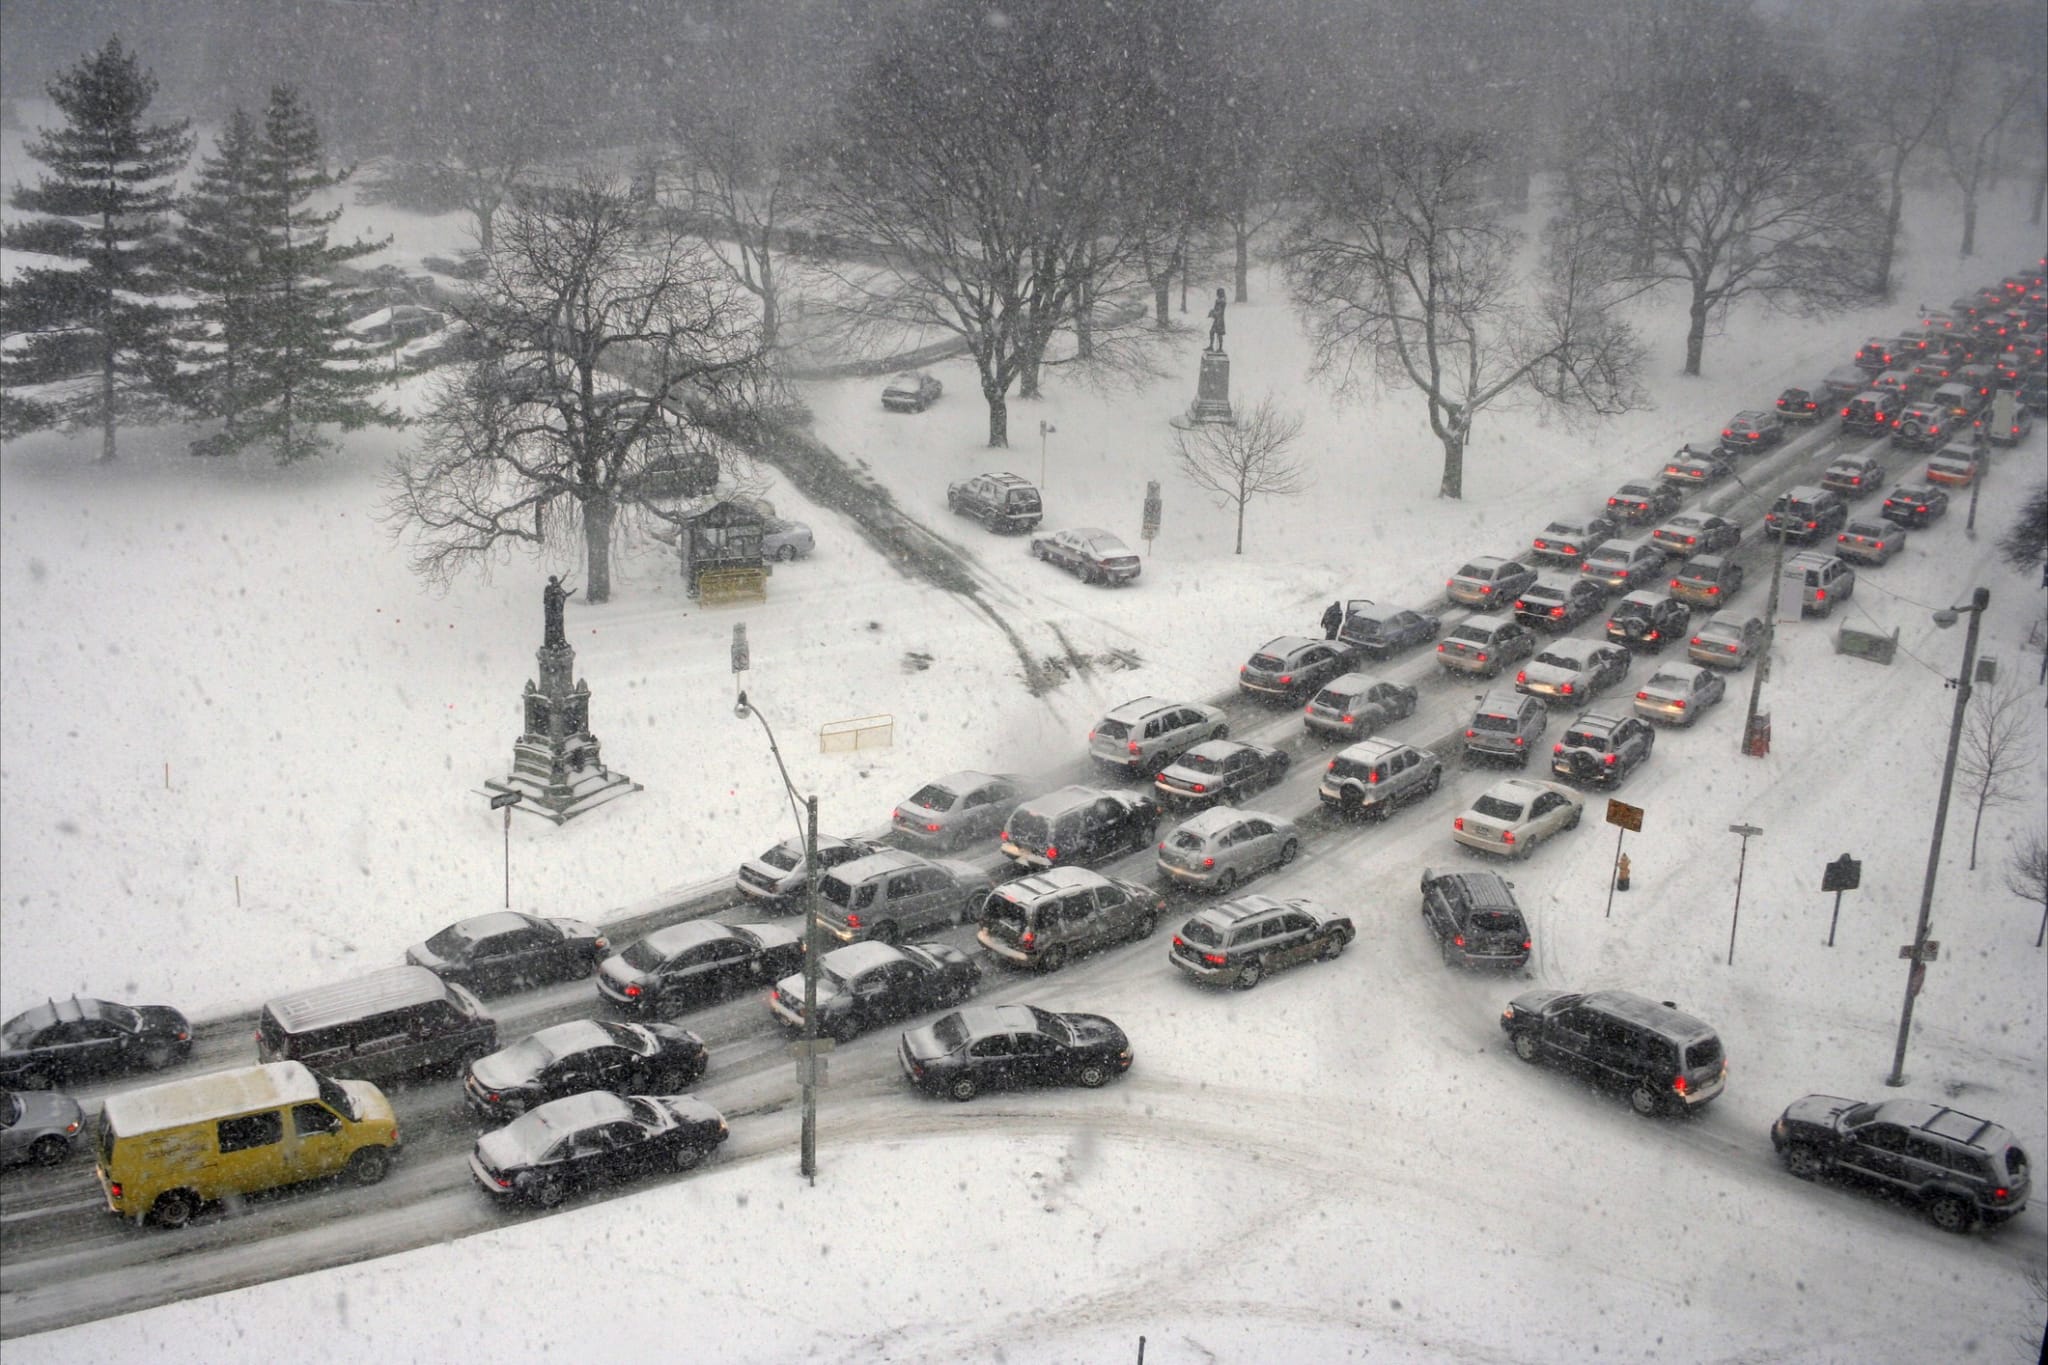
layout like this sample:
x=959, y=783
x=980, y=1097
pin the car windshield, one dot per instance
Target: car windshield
x=338, y=1099
x=783, y=857
x=122, y=1015
x=836, y=891
x=1200, y=763
x=1494, y=808
x=934, y=797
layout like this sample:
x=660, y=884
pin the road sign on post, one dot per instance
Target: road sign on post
x=505, y=801
x=1624, y=818
x=1152, y=509
x=1843, y=874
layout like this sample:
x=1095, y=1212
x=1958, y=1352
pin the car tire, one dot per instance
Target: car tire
x=1333, y=948
x=174, y=1208
x=368, y=1166
x=1803, y=1161
x=50, y=1150
x=953, y=506
x=157, y=1056
x=1220, y=732
x=1572, y=821
x=970, y=910
x=1250, y=975
x=1524, y=1044
x=546, y=1193
x=1144, y=926
x=844, y=1029
x=1951, y=1213
x=785, y=554
x=1528, y=849
x=1094, y=1075
x=1349, y=804
x=1433, y=781
x=1053, y=958
x=690, y=1156
x=1288, y=850
x=1645, y=1100
x=962, y=1088
x=1227, y=883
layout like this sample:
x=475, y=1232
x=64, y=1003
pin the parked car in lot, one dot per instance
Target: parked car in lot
x=959, y=808
x=1853, y=475
x=1707, y=580
x=1697, y=533
x=1290, y=667
x=911, y=391
x=1000, y=502
x=65, y=1040
x=584, y=1054
x=1869, y=542
x=1800, y=405
x=1002, y=1047
x=1374, y=776
x=1648, y=621
x=1915, y=505
x=1219, y=772
x=893, y=893
x=1485, y=645
x=1623, y=564
x=1475, y=919
x=590, y=1139
x=43, y=1127
x=1691, y=468
x=776, y=880
x=1961, y=1170
x=1380, y=632
x=1047, y=918
x=1677, y=693
x=864, y=985
x=1145, y=734
x=1640, y=502
x=1752, y=431
x=1076, y=826
x=1662, y=1058
x=1954, y=466
x=1568, y=541
x=1573, y=669
x=1223, y=845
x=1513, y=816
x=1727, y=639
x=697, y=962
x=1558, y=602
x=1817, y=581
x=1488, y=580
x=1602, y=749
x=1506, y=725
x=1805, y=513
x=507, y=950
x=1241, y=942
x=1091, y=554
x=1357, y=704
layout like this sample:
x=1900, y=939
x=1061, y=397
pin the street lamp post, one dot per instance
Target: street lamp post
x=1752, y=743
x=1747, y=832
x=1045, y=429
x=1918, y=950
x=807, y=829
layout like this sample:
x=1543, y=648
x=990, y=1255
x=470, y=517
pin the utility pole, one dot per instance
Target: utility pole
x=1747, y=832
x=1756, y=741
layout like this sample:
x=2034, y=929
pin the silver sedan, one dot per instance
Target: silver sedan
x=957, y=809
x=1572, y=670
x=1729, y=639
x=1677, y=694
x=42, y=1126
x=1514, y=815
x=1223, y=845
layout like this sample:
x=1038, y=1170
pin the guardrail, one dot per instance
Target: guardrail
x=862, y=732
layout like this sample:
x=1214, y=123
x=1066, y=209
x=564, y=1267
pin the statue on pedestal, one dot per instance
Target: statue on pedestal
x=1216, y=324
x=551, y=599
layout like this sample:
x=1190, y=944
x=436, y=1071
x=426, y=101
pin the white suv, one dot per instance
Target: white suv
x=1147, y=733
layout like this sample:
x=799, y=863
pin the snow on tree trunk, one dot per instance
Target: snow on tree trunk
x=1244, y=260
x=597, y=548
x=998, y=420
x=1696, y=331
x=1453, y=483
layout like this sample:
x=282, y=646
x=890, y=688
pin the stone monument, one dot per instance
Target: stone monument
x=1212, y=389
x=557, y=768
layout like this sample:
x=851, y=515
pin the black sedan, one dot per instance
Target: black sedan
x=697, y=962
x=1914, y=505
x=870, y=983
x=505, y=950
x=65, y=1039
x=566, y=1145
x=997, y=1047
x=584, y=1054
x=1219, y=772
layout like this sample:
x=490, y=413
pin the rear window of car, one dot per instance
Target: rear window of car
x=934, y=798
x=1029, y=828
x=1200, y=763
x=1019, y=501
x=1543, y=593
x=1488, y=720
x=1477, y=635
x=1564, y=661
x=1269, y=663
x=1350, y=767
x=1202, y=933
x=1705, y=1052
x=1475, y=571
x=951, y=1032
x=782, y=857
x=1581, y=739
x=1495, y=808
x=1333, y=699
x=1497, y=922
x=1112, y=729
x=1001, y=909
x=1183, y=839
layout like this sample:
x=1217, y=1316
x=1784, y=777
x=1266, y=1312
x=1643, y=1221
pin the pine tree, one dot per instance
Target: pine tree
x=219, y=260
x=100, y=205
x=305, y=370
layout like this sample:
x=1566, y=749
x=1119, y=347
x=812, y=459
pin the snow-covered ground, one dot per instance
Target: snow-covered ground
x=243, y=747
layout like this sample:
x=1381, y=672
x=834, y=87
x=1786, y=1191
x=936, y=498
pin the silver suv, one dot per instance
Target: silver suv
x=1817, y=582
x=1507, y=725
x=1147, y=733
x=1375, y=775
x=1045, y=918
x=889, y=894
x=1357, y=704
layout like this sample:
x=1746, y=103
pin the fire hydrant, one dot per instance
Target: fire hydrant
x=1621, y=873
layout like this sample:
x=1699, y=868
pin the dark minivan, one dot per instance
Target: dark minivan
x=1666, y=1060
x=387, y=1025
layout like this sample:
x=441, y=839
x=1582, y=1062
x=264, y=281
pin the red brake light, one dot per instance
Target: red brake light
x=1519, y=741
x=1026, y=939
x=1557, y=611
x=632, y=992
x=1216, y=959
x=853, y=920
x=1372, y=778
x=114, y=1189
x=1521, y=675
x=1470, y=733
x=1487, y=590
x=1642, y=696
x=1674, y=585
x=1459, y=823
x=1507, y=836
x=931, y=829
x=1482, y=656
x=1566, y=689
x=1820, y=594
x=1439, y=649
x=1052, y=853
x=1679, y=703
x=1201, y=787
x=1557, y=748
x=1731, y=646
x=1714, y=591
x=1286, y=679
x=1678, y=1084
x=1208, y=862
x=1459, y=940
x=1132, y=746
x=1608, y=760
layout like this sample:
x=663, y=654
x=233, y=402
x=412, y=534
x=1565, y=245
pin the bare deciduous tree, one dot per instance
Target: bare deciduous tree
x=2026, y=876
x=1896, y=115
x=2024, y=546
x=1999, y=751
x=609, y=349
x=1241, y=460
x=1407, y=274
x=1970, y=131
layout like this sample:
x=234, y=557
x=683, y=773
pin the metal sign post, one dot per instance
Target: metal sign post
x=1045, y=429
x=1624, y=818
x=1152, y=509
x=1747, y=832
x=505, y=801
x=1843, y=874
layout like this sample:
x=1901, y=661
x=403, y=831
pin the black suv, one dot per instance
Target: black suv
x=1475, y=918
x=1648, y=621
x=1962, y=1170
x=1001, y=502
x=1664, y=1058
x=1602, y=749
x=1806, y=514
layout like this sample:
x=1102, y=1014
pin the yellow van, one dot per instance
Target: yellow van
x=164, y=1151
